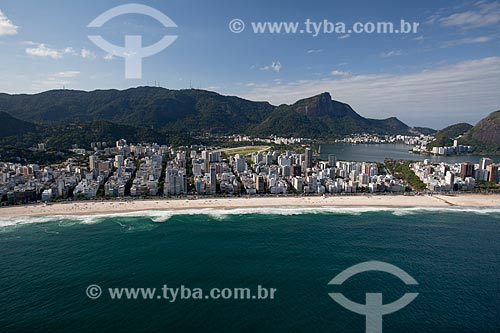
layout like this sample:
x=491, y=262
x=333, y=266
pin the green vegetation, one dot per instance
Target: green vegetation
x=446, y=136
x=321, y=117
x=161, y=182
x=17, y=154
x=100, y=191
x=485, y=136
x=189, y=173
x=246, y=150
x=129, y=183
x=11, y=126
x=179, y=112
x=402, y=170
x=487, y=187
x=424, y=130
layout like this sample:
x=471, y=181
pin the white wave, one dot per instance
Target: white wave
x=220, y=214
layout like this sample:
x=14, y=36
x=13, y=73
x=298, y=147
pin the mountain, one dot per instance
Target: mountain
x=177, y=110
x=485, y=136
x=320, y=116
x=63, y=135
x=83, y=133
x=199, y=111
x=446, y=136
x=11, y=126
x=423, y=130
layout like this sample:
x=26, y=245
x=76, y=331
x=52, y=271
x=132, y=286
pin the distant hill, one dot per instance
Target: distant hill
x=485, y=136
x=198, y=111
x=423, y=130
x=320, y=116
x=64, y=135
x=11, y=126
x=178, y=110
x=83, y=133
x=446, y=136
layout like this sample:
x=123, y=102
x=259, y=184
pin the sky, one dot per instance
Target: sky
x=447, y=71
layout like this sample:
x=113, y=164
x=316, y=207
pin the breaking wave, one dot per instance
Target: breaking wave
x=158, y=216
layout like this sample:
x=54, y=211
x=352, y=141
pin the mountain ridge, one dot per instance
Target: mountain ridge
x=485, y=135
x=193, y=110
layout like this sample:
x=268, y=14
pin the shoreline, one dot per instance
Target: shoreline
x=129, y=206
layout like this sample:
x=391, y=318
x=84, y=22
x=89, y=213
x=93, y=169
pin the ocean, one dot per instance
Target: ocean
x=48, y=263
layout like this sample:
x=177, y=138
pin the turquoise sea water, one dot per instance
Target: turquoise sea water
x=47, y=263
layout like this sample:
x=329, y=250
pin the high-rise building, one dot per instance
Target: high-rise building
x=259, y=184
x=205, y=155
x=215, y=156
x=286, y=171
x=118, y=161
x=175, y=181
x=213, y=179
x=93, y=160
x=197, y=169
x=298, y=184
x=296, y=170
x=493, y=173
x=284, y=161
x=481, y=175
x=308, y=158
x=449, y=178
x=466, y=170
x=332, y=160
x=241, y=164
x=485, y=161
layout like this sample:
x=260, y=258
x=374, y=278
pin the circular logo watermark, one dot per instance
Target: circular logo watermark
x=93, y=291
x=373, y=308
x=236, y=26
x=133, y=51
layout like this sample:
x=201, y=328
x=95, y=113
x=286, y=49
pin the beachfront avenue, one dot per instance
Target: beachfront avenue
x=172, y=294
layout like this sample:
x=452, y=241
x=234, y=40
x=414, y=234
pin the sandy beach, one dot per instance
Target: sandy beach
x=122, y=206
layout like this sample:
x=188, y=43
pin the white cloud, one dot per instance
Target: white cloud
x=275, y=67
x=6, y=26
x=432, y=19
x=69, y=50
x=314, y=51
x=344, y=36
x=484, y=13
x=340, y=73
x=87, y=54
x=466, y=91
x=67, y=74
x=471, y=40
x=393, y=53
x=41, y=50
x=108, y=57
x=419, y=38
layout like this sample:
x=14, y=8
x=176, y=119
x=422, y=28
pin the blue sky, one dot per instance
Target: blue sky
x=447, y=72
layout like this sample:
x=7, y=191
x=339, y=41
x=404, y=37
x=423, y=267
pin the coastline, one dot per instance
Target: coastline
x=128, y=206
